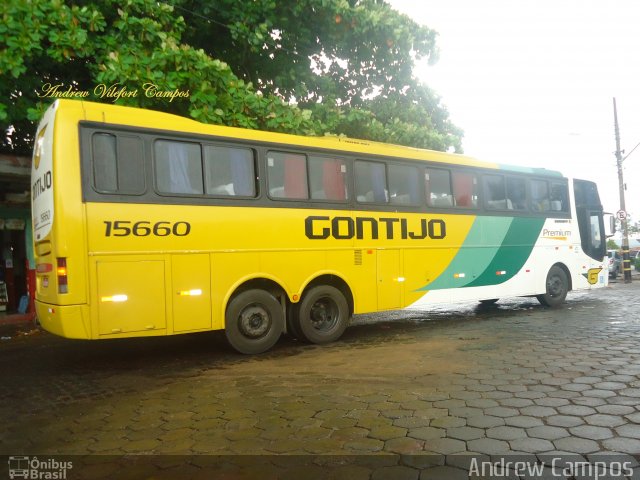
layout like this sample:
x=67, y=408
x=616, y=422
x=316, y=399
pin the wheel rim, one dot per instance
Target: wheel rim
x=254, y=321
x=324, y=314
x=555, y=286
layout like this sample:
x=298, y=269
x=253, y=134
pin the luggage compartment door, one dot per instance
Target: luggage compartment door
x=191, y=292
x=389, y=280
x=131, y=296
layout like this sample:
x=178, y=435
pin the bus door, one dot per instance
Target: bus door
x=590, y=219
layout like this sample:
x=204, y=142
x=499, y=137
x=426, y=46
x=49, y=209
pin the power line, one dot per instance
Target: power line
x=625, y=157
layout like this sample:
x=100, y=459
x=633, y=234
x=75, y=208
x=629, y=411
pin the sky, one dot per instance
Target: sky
x=532, y=83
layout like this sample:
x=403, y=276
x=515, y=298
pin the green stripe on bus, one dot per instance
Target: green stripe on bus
x=480, y=246
x=514, y=252
x=494, y=244
x=530, y=170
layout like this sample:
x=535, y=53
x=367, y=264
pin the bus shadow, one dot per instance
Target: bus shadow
x=48, y=356
x=206, y=350
x=47, y=371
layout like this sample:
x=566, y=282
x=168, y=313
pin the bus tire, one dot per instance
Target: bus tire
x=293, y=325
x=323, y=315
x=557, y=286
x=254, y=321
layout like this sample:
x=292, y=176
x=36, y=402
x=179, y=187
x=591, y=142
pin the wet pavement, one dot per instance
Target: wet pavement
x=408, y=394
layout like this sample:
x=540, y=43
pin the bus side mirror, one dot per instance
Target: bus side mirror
x=611, y=224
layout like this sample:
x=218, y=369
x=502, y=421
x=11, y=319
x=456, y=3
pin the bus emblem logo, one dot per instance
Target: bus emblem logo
x=37, y=153
x=592, y=275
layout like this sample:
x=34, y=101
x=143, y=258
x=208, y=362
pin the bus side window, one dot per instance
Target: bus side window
x=327, y=178
x=438, y=187
x=517, y=193
x=540, y=196
x=229, y=171
x=494, y=193
x=178, y=167
x=559, y=197
x=403, y=185
x=118, y=164
x=595, y=232
x=105, y=162
x=287, y=175
x=371, y=182
x=465, y=189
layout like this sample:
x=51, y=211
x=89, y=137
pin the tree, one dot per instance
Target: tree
x=362, y=55
x=310, y=67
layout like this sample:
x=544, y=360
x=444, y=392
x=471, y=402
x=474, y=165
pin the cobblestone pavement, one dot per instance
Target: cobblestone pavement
x=423, y=387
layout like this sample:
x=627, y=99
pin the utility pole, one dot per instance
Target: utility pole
x=622, y=213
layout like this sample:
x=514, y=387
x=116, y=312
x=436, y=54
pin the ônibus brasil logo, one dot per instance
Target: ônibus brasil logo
x=34, y=468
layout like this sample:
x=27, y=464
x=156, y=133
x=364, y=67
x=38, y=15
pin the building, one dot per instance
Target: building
x=17, y=274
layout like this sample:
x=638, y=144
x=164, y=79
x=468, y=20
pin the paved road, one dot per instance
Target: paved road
x=422, y=387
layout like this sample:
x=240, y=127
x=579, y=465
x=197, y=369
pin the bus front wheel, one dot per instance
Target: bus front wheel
x=557, y=286
x=322, y=315
x=253, y=322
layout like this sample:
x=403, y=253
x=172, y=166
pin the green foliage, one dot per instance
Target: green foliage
x=612, y=245
x=309, y=67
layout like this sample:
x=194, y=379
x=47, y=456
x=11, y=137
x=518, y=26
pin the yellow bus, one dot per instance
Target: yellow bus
x=146, y=223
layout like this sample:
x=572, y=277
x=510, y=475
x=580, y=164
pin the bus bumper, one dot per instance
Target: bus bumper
x=64, y=320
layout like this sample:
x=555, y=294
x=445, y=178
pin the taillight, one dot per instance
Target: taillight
x=44, y=267
x=61, y=271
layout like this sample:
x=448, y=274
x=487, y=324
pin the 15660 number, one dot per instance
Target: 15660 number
x=124, y=228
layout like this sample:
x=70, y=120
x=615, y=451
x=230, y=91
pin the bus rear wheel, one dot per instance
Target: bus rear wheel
x=557, y=286
x=293, y=325
x=322, y=315
x=253, y=322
